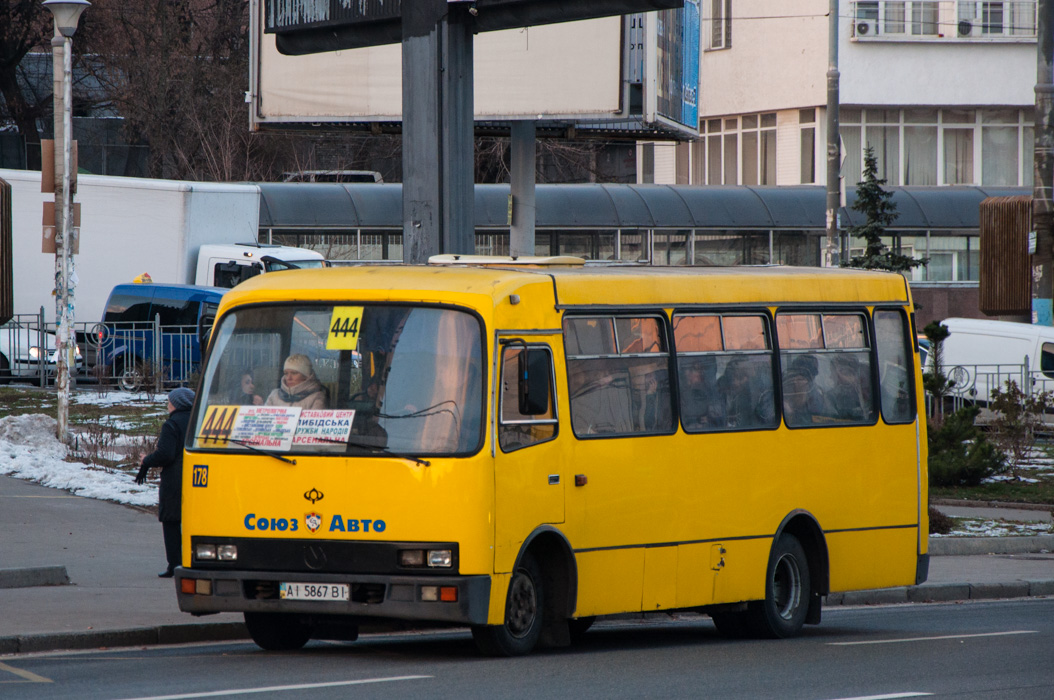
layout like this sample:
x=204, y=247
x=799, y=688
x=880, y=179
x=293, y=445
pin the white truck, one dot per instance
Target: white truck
x=981, y=355
x=177, y=232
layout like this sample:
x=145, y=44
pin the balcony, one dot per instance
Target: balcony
x=1012, y=21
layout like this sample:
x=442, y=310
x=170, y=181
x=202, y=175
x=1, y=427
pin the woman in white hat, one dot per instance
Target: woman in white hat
x=299, y=386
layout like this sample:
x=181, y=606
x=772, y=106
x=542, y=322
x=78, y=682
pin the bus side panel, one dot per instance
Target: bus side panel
x=610, y=581
x=696, y=565
x=742, y=577
x=872, y=559
x=660, y=578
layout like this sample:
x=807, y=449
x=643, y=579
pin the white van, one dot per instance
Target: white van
x=982, y=355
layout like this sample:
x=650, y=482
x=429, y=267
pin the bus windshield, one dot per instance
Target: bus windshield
x=343, y=379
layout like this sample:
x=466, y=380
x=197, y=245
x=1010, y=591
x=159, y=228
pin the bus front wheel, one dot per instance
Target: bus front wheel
x=524, y=607
x=788, y=587
x=277, y=632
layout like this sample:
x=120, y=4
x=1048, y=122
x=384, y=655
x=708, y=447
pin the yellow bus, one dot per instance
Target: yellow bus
x=521, y=446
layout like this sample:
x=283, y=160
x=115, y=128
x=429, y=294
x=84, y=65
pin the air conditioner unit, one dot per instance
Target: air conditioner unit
x=968, y=28
x=866, y=27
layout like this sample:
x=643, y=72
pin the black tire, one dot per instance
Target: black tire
x=277, y=631
x=5, y=370
x=524, y=611
x=788, y=588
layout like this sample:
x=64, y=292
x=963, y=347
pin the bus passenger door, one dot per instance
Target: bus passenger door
x=529, y=472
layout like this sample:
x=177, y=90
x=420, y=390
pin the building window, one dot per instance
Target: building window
x=807, y=119
x=720, y=25
x=925, y=146
x=943, y=19
x=996, y=19
x=741, y=150
x=759, y=149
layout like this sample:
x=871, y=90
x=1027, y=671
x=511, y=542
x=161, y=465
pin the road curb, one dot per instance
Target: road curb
x=34, y=576
x=143, y=636
x=944, y=592
x=963, y=546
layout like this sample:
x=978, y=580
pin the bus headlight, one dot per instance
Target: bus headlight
x=205, y=552
x=433, y=558
x=411, y=557
x=440, y=558
x=227, y=552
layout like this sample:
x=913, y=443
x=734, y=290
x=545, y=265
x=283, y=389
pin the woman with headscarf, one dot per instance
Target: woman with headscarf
x=299, y=386
x=168, y=456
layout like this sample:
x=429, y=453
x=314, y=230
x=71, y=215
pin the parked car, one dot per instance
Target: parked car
x=149, y=332
x=21, y=347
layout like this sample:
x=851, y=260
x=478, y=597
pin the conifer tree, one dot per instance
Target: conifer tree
x=877, y=205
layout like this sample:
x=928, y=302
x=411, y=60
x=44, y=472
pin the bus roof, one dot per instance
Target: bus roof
x=591, y=286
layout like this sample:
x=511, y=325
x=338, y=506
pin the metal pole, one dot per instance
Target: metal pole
x=522, y=141
x=62, y=62
x=438, y=175
x=831, y=257
x=1043, y=170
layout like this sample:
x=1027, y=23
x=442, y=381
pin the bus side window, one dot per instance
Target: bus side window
x=618, y=375
x=895, y=370
x=517, y=429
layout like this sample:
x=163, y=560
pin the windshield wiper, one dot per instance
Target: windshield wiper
x=253, y=448
x=379, y=450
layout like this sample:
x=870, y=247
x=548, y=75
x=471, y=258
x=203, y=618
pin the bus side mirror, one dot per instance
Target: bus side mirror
x=205, y=322
x=535, y=381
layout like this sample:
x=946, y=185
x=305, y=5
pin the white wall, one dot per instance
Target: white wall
x=944, y=72
x=128, y=226
x=778, y=59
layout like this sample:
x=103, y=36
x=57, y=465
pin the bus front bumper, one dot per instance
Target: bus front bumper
x=453, y=599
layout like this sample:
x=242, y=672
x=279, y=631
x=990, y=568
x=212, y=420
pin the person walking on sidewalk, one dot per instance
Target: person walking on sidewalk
x=168, y=455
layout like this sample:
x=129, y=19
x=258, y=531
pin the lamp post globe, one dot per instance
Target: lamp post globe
x=67, y=14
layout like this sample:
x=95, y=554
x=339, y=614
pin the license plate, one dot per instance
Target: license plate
x=313, y=591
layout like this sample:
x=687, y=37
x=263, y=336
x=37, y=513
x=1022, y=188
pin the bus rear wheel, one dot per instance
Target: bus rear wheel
x=788, y=588
x=524, y=606
x=277, y=631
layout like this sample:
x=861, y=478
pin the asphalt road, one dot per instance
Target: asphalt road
x=974, y=650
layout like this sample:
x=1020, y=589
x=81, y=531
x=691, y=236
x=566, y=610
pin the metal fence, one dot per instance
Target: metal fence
x=129, y=356
x=972, y=385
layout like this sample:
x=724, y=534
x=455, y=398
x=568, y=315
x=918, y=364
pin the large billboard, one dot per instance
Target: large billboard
x=555, y=74
x=675, y=95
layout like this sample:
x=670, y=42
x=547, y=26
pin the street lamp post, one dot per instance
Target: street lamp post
x=67, y=13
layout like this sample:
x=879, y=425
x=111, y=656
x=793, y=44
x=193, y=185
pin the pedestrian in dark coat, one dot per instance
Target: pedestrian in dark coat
x=168, y=456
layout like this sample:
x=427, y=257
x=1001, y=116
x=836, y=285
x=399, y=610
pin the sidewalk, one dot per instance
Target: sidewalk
x=110, y=555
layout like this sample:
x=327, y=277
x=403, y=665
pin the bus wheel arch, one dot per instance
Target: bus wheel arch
x=539, y=599
x=808, y=532
x=796, y=578
x=556, y=560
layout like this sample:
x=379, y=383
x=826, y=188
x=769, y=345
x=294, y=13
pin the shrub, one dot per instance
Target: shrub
x=960, y=455
x=940, y=524
x=1017, y=418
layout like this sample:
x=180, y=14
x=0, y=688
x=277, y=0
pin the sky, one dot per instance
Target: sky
x=29, y=450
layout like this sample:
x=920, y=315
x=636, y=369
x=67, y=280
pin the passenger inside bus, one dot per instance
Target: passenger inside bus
x=600, y=397
x=299, y=386
x=799, y=392
x=702, y=408
x=849, y=397
x=741, y=398
x=243, y=391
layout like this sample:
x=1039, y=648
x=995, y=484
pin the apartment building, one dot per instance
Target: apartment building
x=943, y=90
